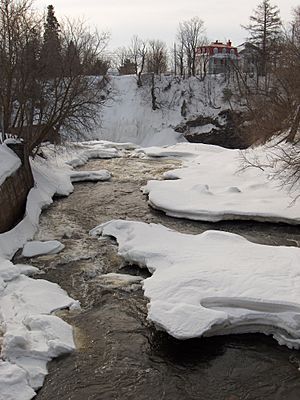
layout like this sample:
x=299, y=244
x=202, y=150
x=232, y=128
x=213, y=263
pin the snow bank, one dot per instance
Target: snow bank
x=30, y=336
x=214, y=283
x=9, y=162
x=212, y=187
x=48, y=182
x=13, y=383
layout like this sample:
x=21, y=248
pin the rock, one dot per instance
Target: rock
x=225, y=130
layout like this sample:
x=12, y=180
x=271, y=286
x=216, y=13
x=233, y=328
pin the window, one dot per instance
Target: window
x=215, y=50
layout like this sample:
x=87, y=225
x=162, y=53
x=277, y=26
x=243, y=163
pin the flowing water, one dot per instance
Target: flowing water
x=119, y=354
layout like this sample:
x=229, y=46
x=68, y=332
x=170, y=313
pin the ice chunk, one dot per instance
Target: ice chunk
x=101, y=175
x=213, y=283
x=37, y=248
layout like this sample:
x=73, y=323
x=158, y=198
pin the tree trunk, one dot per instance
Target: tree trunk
x=154, y=105
x=295, y=126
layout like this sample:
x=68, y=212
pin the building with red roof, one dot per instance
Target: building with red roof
x=217, y=57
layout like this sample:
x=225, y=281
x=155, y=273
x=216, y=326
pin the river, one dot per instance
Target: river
x=120, y=355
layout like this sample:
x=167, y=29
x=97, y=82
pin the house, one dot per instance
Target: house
x=217, y=57
x=249, y=57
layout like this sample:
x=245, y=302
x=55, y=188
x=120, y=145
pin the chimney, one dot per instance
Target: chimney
x=229, y=43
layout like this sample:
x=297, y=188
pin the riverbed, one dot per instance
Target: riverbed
x=120, y=355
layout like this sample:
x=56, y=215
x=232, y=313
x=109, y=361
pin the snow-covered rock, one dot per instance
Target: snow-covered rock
x=214, y=283
x=37, y=248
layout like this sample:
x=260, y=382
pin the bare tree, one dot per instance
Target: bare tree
x=189, y=37
x=157, y=57
x=138, y=52
x=16, y=24
x=34, y=104
x=180, y=56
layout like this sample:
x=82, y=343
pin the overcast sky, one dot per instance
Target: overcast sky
x=158, y=19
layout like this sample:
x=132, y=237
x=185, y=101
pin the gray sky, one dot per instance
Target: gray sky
x=158, y=19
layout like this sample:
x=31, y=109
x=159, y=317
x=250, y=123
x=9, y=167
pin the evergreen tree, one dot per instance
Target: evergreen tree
x=265, y=31
x=51, y=60
x=72, y=64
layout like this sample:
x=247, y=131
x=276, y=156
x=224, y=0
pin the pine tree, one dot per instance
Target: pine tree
x=51, y=59
x=265, y=30
x=72, y=64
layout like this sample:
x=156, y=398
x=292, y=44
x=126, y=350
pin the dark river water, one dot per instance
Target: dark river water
x=120, y=355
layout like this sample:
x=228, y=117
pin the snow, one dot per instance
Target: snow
x=121, y=277
x=30, y=337
x=212, y=187
x=120, y=281
x=13, y=383
x=9, y=162
x=96, y=176
x=37, y=248
x=214, y=283
x=128, y=116
x=97, y=153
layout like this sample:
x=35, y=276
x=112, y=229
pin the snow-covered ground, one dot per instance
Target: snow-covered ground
x=30, y=335
x=213, y=187
x=214, y=283
x=128, y=115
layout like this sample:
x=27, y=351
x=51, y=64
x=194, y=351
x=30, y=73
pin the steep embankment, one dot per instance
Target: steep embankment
x=128, y=114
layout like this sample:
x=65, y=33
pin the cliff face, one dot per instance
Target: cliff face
x=223, y=130
x=129, y=114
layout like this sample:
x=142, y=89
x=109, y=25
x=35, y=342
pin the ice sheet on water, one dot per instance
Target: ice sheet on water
x=213, y=283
